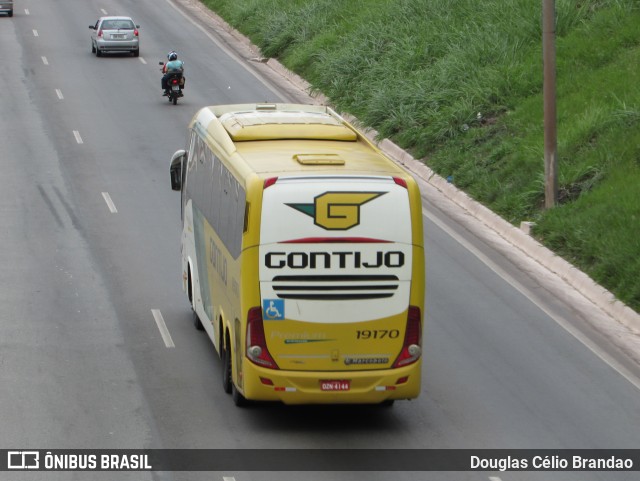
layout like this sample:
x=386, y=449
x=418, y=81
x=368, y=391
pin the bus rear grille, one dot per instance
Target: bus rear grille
x=335, y=287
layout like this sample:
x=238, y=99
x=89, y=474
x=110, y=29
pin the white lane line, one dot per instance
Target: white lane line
x=104, y=12
x=110, y=204
x=76, y=134
x=228, y=478
x=26, y=11
x=561, y=321
x=162, y=327
x=35, y=33
x=59, y=94
x=45, y=61
x=142, y=60
x=494, y=478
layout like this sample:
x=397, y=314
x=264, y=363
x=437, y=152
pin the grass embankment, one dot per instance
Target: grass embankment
x=459, y=84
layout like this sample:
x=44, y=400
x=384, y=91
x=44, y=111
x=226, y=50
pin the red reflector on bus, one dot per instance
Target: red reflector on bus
x=270, y=181
x=402, y=380
x=400, y=182
x=266, y=381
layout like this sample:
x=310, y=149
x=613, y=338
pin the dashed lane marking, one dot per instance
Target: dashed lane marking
x=162, y=327
x=110, y=204
x=76, y=134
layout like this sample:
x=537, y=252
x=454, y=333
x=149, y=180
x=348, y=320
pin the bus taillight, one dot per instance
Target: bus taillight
x=411, y=349
x=257, y=351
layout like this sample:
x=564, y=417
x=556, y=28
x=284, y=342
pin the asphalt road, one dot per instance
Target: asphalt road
x=90, y=261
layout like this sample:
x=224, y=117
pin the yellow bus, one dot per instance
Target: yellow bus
x=302, y=255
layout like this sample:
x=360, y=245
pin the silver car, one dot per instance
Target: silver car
x=6, y=6
x=115, y=34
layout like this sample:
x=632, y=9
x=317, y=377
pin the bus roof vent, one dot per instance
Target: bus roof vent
x=319, y=159
x=268, y=124
x=265, y=106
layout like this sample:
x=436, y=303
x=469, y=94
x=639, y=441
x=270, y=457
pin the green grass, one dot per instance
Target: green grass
x=459, y=84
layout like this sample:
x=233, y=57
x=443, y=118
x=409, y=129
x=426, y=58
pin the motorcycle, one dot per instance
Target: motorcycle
x=175, y=84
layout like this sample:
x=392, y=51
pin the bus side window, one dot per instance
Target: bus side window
x=238, y=226
x=216, y=200
x=190, y=165
x=245, y=224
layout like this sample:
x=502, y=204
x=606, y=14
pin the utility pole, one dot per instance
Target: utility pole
x=549, y=93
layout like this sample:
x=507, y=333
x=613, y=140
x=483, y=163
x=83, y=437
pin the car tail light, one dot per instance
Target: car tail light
x=135, y=32
x=100, y=33
x=411, y=349
x=257, y=351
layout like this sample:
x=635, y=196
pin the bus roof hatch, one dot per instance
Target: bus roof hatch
x=319, y=159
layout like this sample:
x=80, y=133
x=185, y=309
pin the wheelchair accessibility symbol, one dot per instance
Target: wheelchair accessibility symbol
x=273, y=309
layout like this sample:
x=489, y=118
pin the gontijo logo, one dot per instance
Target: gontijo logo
x=337, y=210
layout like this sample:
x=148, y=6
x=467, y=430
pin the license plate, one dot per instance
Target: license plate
x=335, y=385
x=117, y=36
x=175, y=87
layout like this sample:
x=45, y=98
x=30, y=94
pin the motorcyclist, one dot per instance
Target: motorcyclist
x=171, y=66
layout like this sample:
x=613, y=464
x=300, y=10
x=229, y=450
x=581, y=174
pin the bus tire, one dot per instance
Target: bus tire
x=225, y=354
x=197, y=322
x=238, y=399
x=196, y=319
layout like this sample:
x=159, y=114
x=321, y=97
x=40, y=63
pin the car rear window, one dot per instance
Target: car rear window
x=118, y=25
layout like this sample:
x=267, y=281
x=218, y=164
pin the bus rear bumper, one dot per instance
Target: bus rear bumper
x=344, y=387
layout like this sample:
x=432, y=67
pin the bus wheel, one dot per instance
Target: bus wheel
x=238, y=399
x=196, y=319
x=226, y=366
x=197, y=322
